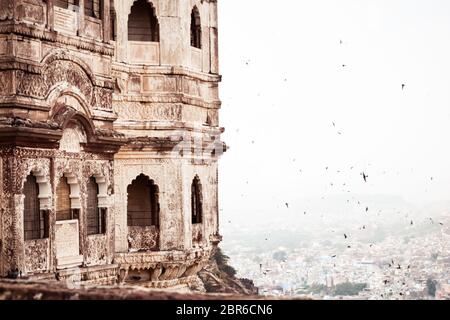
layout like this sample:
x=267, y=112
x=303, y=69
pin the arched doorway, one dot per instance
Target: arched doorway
x=143, y=203
x=143, y=214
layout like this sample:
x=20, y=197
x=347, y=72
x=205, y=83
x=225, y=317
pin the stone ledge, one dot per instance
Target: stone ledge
x=29, y=290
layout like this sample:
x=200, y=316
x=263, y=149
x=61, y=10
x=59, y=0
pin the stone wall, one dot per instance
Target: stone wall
x=74, y=103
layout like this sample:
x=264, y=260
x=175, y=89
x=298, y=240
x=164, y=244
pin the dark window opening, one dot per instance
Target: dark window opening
x=196, y=29
x=143, y=203
x=96, y=216
x=92, y=8
x=36, y=223
x=142, y=22
x=196, y=201
x=113, y=21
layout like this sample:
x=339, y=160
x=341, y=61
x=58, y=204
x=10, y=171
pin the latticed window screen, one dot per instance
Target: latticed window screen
x=142, y=22
x=63, y=211
x=32, y=219
x=143, y=202
x=196, y=29
x=196, y=201
x=92, y=212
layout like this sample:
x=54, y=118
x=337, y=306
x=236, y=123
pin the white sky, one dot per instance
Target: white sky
x=295, y=86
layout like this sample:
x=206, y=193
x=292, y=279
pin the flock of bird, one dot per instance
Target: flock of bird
x=365, y=178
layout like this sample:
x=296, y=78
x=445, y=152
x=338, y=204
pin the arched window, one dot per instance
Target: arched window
x=92, y=8
x=196, y=29
x=63, y=207
x=142, y=22
x=143, y=203
x=96, y=219
x=35, y=221
x=196, y=201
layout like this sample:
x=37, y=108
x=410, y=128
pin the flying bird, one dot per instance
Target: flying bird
x=364, y=176
x=403, y=86
x=345, y=236
x=287, y=205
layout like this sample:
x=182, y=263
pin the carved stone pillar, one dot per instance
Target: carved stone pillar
x=106, y=17
x=81, y=18
x=50, y=15
x=213, y=37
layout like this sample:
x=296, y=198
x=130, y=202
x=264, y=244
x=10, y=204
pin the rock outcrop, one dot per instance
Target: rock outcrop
x=219, y=277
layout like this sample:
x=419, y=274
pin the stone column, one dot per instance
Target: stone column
x=17, y=235
x=50, y=15
x=171, y=34
x=106, y=20
x=81, y=18
x=214, y=37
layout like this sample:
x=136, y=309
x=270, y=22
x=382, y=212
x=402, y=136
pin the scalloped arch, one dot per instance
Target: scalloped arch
x=153, y=4
x=66, y=56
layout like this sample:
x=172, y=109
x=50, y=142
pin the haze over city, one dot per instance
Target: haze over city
x=352, y=86
x=316, y=94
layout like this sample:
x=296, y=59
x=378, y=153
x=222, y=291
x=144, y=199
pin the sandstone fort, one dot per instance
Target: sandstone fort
x=109, y=140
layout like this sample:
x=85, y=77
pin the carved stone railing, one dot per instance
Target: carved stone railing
x=197, y=234
x=37, y=256
x=196, y=58
x=92, y=27
x=67, y=239
x=143, y=238
x=140, y=52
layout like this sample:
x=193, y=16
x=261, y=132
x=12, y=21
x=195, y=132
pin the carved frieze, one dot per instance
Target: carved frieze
x=63, y=74
x=7, y=9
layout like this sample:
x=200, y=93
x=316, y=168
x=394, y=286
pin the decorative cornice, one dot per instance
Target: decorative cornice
x=165, y=70
x=53, y=36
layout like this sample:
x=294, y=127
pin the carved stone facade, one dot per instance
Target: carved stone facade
x=123, y=95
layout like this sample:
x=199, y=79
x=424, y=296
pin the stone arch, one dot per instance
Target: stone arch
x=45, y=189
x=143, y=208
x=143, y=22
x=58, y=69
x=68, y=117
x=61, y=55
x=62, y=96
x=154, y=4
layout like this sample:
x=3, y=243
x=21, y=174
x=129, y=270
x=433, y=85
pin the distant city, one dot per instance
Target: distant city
x=391, y=251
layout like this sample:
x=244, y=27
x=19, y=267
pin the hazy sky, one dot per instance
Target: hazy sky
x=287, y=77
